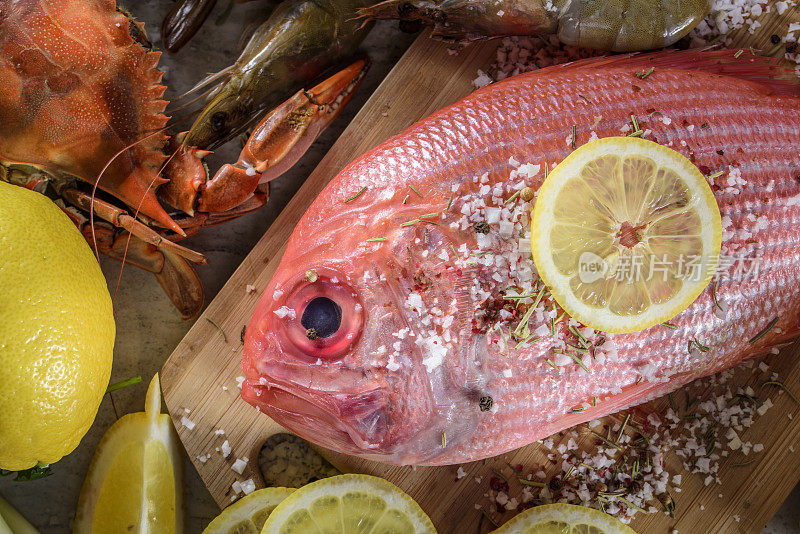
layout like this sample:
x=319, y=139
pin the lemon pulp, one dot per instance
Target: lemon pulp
x=248, y=514
x=348, y=504
x=563, y=519
x=135, y=480
x=626, y=233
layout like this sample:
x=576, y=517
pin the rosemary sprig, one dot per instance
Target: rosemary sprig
x=715, y=175
x=221, y=332
x=518, y=297
x=644, y=74
x=783, y=387
x=500, y=475
x=360, y=192
x=640, y=432
x=579, y=349
x=553, y=365
x=512, y=198
x=532, y=339
x=568, y=473
x=376, y=239
x=629, y=504
x=577, y=333
x=522, y=331
x=574, y=141
x=635, y=131
x=763, y=333
x=489, y=518
x=406, y=199
x=526, y=482
x=622, y=428
x=669, y=325
x=444, y=439
x=449, y=203
x=606, y=441
x=414, y=189
x=578, y=361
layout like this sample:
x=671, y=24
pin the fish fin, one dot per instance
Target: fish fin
x=736, y=63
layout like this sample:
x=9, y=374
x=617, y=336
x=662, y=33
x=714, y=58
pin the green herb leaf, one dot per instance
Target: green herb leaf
x=763, y=333
x=361, y=192
x=221, y=332
x=125, y=383
x=26, y=475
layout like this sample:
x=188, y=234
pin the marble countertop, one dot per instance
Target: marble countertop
x=148, y=327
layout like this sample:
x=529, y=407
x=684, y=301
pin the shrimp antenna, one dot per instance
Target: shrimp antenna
x=135, y=215
x=206, y=81
x=96, y=184
x=191, y=102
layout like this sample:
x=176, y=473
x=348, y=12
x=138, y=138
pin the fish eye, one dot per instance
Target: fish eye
x=326, y=318
x=218, y=121
x=321, y=318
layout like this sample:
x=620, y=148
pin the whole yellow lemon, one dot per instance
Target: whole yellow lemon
x=56, y=331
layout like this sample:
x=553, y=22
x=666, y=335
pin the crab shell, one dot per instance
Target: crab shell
x=77, y=93
x=81, y=107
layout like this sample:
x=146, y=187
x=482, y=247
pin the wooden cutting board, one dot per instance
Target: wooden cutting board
x=200, y=375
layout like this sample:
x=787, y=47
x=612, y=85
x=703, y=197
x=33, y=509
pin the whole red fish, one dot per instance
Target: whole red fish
x=385, y=332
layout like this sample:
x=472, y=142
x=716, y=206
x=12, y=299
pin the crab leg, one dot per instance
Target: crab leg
x=280, y=139
x=121, y=219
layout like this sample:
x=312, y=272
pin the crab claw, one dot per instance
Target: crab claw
x=186, y=172
x=280, y=139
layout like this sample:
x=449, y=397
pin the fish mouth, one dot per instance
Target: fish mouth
x=349, y=423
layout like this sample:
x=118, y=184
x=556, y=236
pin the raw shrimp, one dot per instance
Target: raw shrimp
x=299, y=41
x=615, y=25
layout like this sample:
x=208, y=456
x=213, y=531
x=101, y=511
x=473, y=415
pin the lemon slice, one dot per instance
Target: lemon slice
x=135, y=480
x=563, y=519
x=248, y=514
x=351, y=504
x=12, y=522
x=626, y=233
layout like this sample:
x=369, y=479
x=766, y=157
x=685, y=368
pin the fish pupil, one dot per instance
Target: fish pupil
x=322, y=315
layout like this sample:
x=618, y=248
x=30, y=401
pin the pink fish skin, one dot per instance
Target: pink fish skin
x=425, y=333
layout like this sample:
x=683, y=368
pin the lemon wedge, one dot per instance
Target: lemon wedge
x=348, y=504
x=248, y=514
x=135, y=480
x=563, y=519
x=12, y=522
x=626, y=233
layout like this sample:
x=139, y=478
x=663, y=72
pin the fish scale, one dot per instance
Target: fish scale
x=427, y=352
